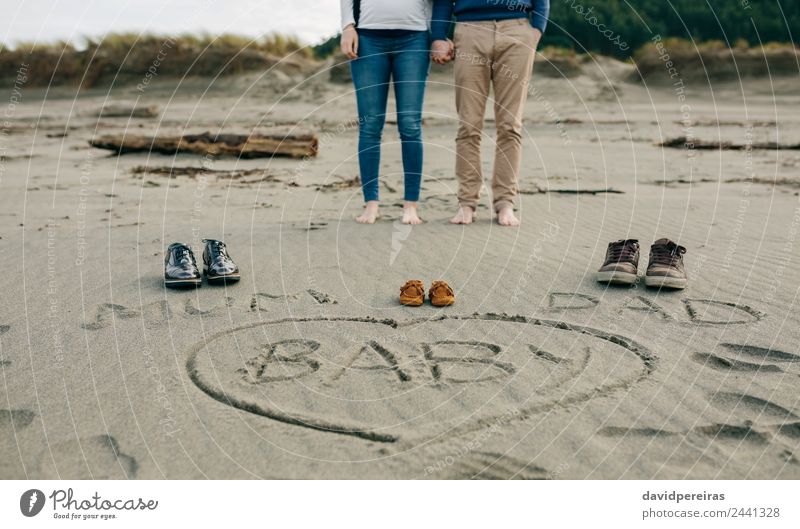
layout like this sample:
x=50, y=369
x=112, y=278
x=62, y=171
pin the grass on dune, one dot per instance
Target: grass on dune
x=716, y=60
x=129, y=57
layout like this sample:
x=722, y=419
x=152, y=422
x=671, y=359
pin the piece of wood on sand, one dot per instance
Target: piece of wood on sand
x=257, y=145
x=124, y=110
x=682, y=142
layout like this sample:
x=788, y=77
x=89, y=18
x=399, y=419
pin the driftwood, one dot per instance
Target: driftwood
x=724, y=123
x=542, y=191
x=129, y=111
x=340, y=183
x=238, y=177
x=241, y=145
x=782, y=182
x=682, y=142
x=194, y=172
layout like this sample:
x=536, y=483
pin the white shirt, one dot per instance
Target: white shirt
x=389, y=14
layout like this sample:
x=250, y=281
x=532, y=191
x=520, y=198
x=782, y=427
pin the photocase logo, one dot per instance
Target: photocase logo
x=31, y=502
x=400, y=233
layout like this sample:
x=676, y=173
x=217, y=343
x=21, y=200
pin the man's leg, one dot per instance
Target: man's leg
x=474, y=43
x=510, y=77
x=371, y=75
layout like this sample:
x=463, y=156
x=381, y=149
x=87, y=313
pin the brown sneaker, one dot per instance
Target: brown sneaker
x=412, y=293
x=622, y=258
x=665, y=269
x=441, y=294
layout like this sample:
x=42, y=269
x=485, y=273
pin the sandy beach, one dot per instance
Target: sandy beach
x=309, y=367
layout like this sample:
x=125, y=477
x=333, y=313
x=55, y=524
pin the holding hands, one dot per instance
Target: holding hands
x=442, y=51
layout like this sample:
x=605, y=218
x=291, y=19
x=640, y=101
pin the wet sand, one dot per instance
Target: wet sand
x=309, y=368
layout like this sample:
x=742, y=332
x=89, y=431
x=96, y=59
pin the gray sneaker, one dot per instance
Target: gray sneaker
x=665, y=269
x=620, y=265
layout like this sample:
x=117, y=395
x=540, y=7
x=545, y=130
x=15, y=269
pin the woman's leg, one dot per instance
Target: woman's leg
x=410, y=73
x=371, y=75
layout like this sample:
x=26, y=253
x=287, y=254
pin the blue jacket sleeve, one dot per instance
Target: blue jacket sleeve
x=541, y=10
x=440, y=20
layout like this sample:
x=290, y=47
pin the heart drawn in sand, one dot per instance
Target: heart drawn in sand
x=389, y=381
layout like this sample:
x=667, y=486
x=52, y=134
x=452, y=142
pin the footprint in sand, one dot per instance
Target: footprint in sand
x=12, y=420
x=761, y=353
x=721, y=363
x=491, y=465
x=755, y=359
x=95, y=457
x=4, y=329
x=791, y=429
x=750, y=408
x=717, y=432
x=760, y=420
x=732, y=432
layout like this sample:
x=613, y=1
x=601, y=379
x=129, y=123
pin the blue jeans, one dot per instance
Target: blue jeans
x=402, y=57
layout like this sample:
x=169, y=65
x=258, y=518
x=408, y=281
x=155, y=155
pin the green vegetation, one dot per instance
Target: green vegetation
x=326, y=48
x=619, y=27
x=673, y=60
x=137, y=58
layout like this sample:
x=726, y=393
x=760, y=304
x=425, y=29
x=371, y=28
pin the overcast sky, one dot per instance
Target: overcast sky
x=50, y=20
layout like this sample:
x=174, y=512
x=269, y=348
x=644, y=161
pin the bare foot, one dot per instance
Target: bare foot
x=410, y=214
x=506, y=217
x=370, y=213
x=465, y=215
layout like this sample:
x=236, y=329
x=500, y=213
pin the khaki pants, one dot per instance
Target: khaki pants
x=497, y=53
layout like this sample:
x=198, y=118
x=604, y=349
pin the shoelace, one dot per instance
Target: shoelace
x=184, y=255
x=667, y=254
x=622, y=251
x=218, y=250
x=413, y=287
x=437, y=286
